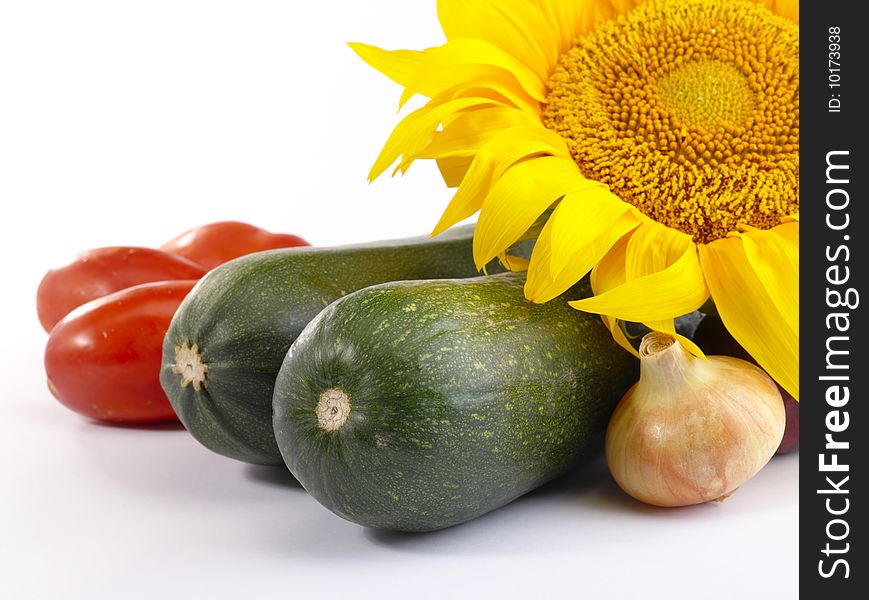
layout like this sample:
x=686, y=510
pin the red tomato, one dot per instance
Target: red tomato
x=214, y=244
x=103, y=360
x=95, y=273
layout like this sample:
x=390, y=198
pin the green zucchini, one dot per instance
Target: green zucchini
x=415, y=406
x=226, y=343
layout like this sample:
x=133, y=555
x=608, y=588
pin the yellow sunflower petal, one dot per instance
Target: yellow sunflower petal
x=542, y=285
x=441, y=80
x=415, y=131
x=570, y=19
x=453, y=169
x=611, y=273
x=789, y=9
x=790, y=231
x=775, y=259
x=429, y=71
x=518, y=197
x=516, y=27
x=516, y=264
x=493, y=89
x=469, y=131
x=493, y=159
x=676, y=290
x=653, y=248
x=616, y=329
x=399, y=65
x=484, y=81
x=668, y=326
x=748, y=312
x=580, y=217
x=561, y=16
x=478, y=52
x=608, y=274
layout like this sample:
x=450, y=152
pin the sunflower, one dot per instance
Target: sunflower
x=653, y=143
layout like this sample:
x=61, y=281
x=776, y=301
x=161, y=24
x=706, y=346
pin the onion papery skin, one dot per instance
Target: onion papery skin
x=692, y=430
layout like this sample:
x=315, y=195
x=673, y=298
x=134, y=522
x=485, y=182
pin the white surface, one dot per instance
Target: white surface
x=128, y=122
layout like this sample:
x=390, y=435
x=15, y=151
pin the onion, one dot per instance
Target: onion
x=712, y=336
x=692, y=430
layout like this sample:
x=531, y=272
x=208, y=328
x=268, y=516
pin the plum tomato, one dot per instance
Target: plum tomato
x=103, y=359
x=99, y=272
x=216, y=243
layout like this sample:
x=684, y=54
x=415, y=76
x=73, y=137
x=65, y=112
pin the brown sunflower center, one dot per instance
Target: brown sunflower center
x=689, y=110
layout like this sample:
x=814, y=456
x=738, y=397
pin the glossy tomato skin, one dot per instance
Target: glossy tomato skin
x=96, y=273
x=216, y=243
x=103, y=360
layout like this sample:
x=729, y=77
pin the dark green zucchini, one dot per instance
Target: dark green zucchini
x=415, y=406
x=227, y=341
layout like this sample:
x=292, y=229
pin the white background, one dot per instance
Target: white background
x=124, y=123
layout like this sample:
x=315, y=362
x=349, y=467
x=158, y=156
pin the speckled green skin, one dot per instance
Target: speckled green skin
x=244, y=315
x=463, y=397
